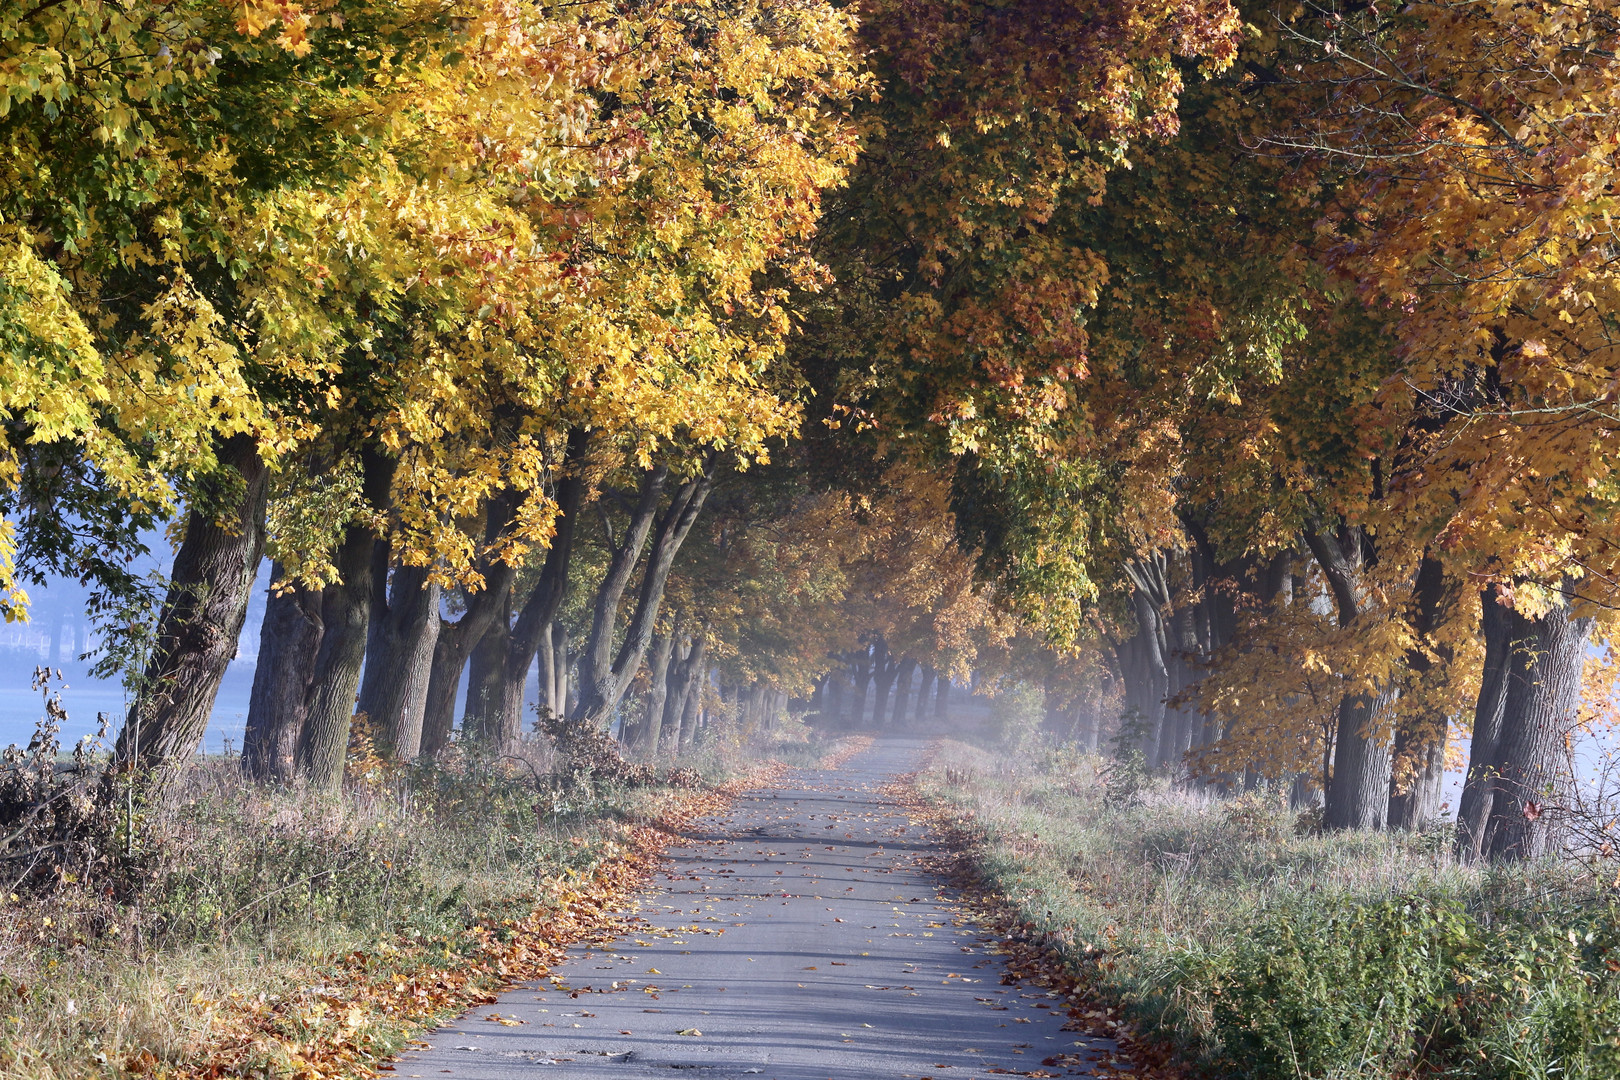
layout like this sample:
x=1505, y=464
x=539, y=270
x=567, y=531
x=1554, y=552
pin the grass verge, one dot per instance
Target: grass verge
x=273, y=933
x=1217, y=940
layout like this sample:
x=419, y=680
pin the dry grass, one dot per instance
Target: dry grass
x=243, y=897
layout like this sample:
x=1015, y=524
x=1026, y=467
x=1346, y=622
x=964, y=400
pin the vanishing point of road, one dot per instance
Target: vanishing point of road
x=796, y=937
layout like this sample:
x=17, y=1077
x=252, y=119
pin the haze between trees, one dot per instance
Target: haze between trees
x=1241, y=376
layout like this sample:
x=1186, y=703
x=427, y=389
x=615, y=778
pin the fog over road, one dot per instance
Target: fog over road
x=801, y=937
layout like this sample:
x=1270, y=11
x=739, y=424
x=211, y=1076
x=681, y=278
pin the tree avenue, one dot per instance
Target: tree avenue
x=1238, y=377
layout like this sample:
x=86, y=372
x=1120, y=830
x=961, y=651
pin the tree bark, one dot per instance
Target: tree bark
x=399, y=658
x=1151, y=600
x=919, y=713
x=501, y=677
x=1358, y=794
x=289, y=638
x=675, y=696
x=548, y=672
x=902, y=691
x=483, y=718
x=862, y=674
x=838, y=687
x=697, y=671
x=201, y=619
x=1147, y=675
x=1418, y=807
x=1474, y=808
x=562, y=658
x=605, y=674
x=643, y=737
x=1544, y=670
x=456, y=639
x=883, y=672
x=346, y=623
x=1420, y=741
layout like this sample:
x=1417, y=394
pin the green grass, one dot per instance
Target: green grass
x=1259, y=952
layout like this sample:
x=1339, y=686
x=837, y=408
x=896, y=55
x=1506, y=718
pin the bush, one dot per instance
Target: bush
x=1015, y=716
x=1404, y=986
x=1260, y=953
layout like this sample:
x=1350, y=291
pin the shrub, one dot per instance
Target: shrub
x=1015, y=716
x=1269, y=955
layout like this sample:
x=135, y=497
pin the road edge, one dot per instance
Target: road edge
x=1032, y=958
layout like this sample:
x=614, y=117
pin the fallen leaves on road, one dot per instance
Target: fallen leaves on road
x=1031, y=958
x=367, y=1004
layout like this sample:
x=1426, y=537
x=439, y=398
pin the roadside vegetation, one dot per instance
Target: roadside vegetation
x=1232, y=384
x=1258, y=946
x=272, y=931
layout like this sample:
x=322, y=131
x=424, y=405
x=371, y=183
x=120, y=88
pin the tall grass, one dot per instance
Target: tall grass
x=233, y=893
x=1261, y=949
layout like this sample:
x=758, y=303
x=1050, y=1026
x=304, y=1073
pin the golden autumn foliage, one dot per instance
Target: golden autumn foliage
x=1180, y=340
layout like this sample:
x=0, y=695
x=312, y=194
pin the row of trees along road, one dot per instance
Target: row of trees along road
x=1245, y=368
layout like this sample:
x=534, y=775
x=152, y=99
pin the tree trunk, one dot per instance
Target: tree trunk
x=837, y=691
x=562, y=656
x=883, y=671
x=456, y=639
x=289, y=638
x=644, y=736
x=675, y=696
x=1474, y=809
x=483, y=719
x=919, y=713
x=1181, y=672
x=399, y=658
x=524, y=637
x=1420, y=741
x=902, y=691
x=201, y=619
x=604, y=673
x=346, y=623
x=548, y=672
x=942, y=701
x=863, y=684
x=692, y=698
x=1418, y=807
x=1358, y=794
x=1152, y=674
x=1544, y=670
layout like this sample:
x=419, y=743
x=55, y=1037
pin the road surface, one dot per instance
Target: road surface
x=797, y=937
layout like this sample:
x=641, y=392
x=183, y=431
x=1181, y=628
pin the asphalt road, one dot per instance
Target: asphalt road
x=795, y=938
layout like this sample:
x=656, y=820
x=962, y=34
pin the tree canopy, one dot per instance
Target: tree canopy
x=1241, y=374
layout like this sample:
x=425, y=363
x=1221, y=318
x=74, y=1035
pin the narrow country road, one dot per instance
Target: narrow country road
x=795, y=938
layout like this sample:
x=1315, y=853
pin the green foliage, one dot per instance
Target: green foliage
x=1126, y=777
x=1015, y=716
x=1349, y=987
x=1270, y=955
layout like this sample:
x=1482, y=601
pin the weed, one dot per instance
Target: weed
x=1260, y=950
